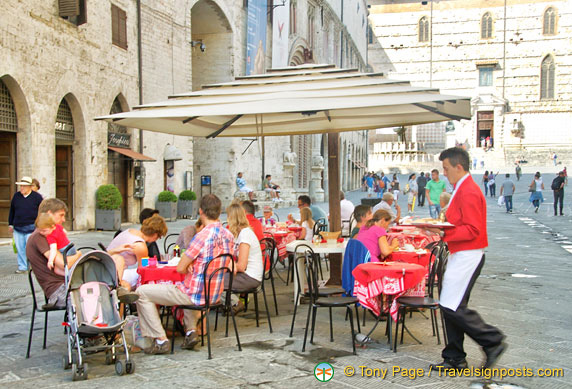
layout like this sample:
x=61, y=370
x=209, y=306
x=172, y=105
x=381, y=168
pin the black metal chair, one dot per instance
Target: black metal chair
x=43, y=309
x=427, y=302
x=348, y=224
x=119, y=231
x=269, y=255
x=208, y=275
x=166, y=245
x=320, y=226
x=322, y=292
x=316, y=301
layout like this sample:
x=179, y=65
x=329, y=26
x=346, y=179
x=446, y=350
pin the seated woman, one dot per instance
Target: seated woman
x=374, y=236
x=307, y=223
x=152, y=229
x=152, y=248
x=187, y=234
x=248, y=270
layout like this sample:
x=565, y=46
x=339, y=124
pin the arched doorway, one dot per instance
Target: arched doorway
x=8, y=131
x=118, y=166
x=65, y=134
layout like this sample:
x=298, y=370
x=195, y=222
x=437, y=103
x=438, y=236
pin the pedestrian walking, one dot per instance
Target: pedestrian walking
x=21, y=219
x=421, y=183
x=485, y=181
x=492, y=184
x=395, y=186
x=555, y=157
x=433, y=192
x=411, y=189
x=467, y=240
x=535, y=188
x=518, y=171
x=558, y=189
x=507, y=190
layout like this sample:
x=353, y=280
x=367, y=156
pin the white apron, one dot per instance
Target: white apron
x=460, y=269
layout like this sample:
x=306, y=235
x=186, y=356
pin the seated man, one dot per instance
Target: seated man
x=386, y=202
x=268, y=219
x=241, y=185
x=317, y=212
x=362, y=214
x=271, y=188
x=212, y=241
x=255, y=224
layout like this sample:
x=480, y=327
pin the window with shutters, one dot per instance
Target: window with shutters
x=549, y=25
x=487, y=26
x=303, y=150
x=64, y=123
x=74, y=11
x=8, y=119
x=423, y=33
x=548, y=68
x=118, y=27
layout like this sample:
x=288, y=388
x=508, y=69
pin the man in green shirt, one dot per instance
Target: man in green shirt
x=433, y=191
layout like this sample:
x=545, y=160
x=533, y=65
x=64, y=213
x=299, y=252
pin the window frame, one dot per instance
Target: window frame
x=548, y=78
x=487, y=29
x=423, y=31
x=482, y=70
x=554, y=18
x=74, y=11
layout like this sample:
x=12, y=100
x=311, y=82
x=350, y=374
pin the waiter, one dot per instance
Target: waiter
x=467, y=241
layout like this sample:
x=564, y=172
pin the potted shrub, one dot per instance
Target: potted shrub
x=185, y=204
x=108, y=208
x=167, y=205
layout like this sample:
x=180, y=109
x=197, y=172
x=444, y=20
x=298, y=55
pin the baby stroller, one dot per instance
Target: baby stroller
x=92, y=311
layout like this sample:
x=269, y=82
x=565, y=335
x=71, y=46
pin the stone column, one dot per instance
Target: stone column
x=316, y=190
x=287, y=188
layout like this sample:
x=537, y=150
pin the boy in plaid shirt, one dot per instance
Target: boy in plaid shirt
x=212, y=241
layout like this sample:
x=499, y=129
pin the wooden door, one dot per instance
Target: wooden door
x=7, y=178
x=64, y=181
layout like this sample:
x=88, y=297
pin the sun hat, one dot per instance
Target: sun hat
x=25, y=181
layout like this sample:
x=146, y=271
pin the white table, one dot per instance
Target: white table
x=320, y=248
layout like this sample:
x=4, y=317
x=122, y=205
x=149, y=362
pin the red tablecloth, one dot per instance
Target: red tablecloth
x=159, y=275
x=388, y=278
x=410, y=257
x=282, y=238
x=418, y=240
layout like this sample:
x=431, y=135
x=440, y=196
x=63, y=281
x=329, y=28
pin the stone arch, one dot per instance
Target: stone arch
x=299, y=53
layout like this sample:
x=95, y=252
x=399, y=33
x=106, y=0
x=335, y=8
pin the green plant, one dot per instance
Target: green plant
x=187, y=195
x=108, y=197
x=167, y=197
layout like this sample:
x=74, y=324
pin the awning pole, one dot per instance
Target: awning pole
x=334, y=195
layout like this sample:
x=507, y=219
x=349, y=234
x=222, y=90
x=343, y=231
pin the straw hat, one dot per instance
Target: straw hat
x=25, y=181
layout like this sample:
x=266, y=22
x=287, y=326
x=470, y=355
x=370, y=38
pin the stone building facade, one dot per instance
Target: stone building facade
x=66, y=62
x=511, y=57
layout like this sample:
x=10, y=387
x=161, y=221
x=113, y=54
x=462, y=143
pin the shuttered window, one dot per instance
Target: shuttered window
x=73, y=11
x=118, y=27
x=487, y=26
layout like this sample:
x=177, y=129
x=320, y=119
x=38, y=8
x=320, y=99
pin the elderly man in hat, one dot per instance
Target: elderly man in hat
x=21, y=219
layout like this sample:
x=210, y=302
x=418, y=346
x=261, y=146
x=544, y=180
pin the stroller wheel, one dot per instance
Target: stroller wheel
x=79, y=372
x=119, y=367
x=130, y=367
x=66, y=363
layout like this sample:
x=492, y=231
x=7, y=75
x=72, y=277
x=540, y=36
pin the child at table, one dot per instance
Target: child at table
x=444, y=199
x=307, y=231
x=362, y=213
x=374, y=236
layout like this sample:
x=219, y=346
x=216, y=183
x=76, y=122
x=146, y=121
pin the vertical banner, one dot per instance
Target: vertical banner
x=256, y=37
x=280, y=33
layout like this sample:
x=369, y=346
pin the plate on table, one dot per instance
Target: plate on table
x=436, y=224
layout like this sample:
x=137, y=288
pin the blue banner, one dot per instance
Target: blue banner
x=256, y=37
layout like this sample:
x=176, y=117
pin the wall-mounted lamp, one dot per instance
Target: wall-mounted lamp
x=202, y=46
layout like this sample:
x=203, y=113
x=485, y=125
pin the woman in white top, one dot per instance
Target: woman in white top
x=536, y=187
x=248, y=268
x=307, y=232
x=412, y=193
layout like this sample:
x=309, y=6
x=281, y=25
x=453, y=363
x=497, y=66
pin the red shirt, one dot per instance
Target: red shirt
x=256, y=226
x=59, y=237
x=468, y=212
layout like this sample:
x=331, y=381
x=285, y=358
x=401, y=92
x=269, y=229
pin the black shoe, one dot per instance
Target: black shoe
x=449, y=364
x=493, y=354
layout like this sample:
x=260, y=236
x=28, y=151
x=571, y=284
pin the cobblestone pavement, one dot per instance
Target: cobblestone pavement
x=523, y=289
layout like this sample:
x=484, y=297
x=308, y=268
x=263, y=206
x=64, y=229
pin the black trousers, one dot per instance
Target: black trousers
x=558, y=197
x=421, y=196
x=466, y=321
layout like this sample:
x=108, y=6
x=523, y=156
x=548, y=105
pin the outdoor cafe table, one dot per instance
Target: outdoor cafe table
x=418, y=257
x=282, y=238
x=319, y=248
x=162, y=274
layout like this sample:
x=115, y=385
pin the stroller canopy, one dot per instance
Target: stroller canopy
x=93, y=266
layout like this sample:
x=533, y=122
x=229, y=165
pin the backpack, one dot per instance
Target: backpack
x=555, y=184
